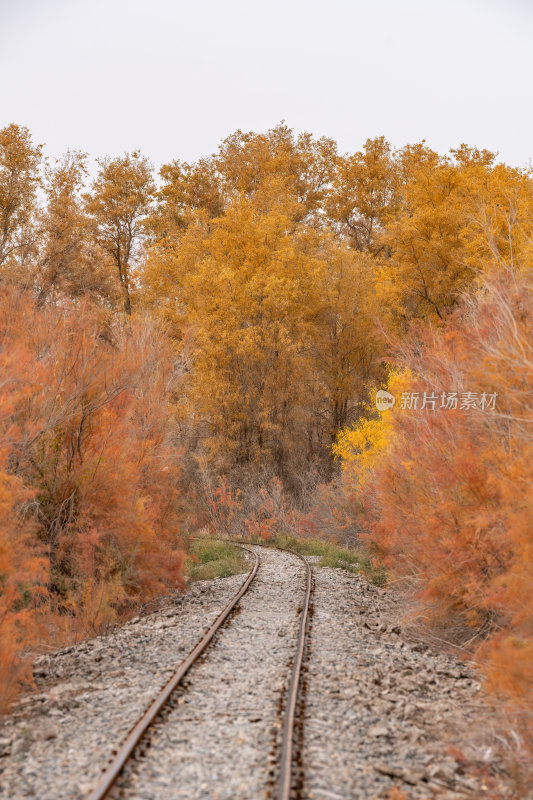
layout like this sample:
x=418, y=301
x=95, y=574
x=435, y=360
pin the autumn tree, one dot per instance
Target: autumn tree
x=71, y=260
x=275, y=312
x=265, y=167
x=499, y=198
x=119, y=201
x=244, y=271
x=278, y=164
x=249, y=289
x=457, y=218
x=20, y=160
x=346, y=348
x=363, y=195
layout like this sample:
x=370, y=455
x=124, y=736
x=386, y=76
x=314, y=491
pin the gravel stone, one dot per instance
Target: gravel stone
x=92, y=693
x=218, y=734
x=379, y=711
x=382, y=712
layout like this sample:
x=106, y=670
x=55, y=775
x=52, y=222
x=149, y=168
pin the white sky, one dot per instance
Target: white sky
x=173, y=78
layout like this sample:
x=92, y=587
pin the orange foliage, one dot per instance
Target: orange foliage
x=22, y=572
x=94, y=479
x=451, y=501
x=271, y=514
x=22, y=567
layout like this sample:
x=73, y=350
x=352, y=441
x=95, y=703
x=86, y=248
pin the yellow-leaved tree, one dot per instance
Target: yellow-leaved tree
x=20, y=161
x=274, y=311
x=119, y=202
x=71, y=261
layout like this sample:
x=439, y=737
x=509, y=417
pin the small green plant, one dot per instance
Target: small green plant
x=335, y=556
x=210, y=558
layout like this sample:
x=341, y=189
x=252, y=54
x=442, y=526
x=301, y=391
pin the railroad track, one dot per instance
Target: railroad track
x=288, y=778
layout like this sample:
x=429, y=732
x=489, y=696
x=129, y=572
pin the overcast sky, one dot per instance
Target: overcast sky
x=173, y=78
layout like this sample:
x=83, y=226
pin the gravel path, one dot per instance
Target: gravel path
x=382, y=712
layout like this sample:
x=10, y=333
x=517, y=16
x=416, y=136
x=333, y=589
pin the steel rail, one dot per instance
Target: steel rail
x=287, y=738
x=113, y=771
x=287, y=741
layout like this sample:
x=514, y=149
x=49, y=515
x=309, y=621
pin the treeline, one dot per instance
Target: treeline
x=203, y=347
x=279, y=268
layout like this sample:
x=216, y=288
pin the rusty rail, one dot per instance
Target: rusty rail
x=287, y=755
x=287, y=741
x=113, y=771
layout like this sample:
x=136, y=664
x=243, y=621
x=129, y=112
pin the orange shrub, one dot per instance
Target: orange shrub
x=450, y=498
x=22, y=567
x=90, y=495
x=22, y=571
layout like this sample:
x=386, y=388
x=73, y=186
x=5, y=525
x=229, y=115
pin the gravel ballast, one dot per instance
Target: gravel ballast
x=56, y=742
x=382, y=714
x=216, y=740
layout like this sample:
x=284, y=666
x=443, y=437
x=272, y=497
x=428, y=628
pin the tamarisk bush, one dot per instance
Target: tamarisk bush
x=446, y=493
x=90, y=478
